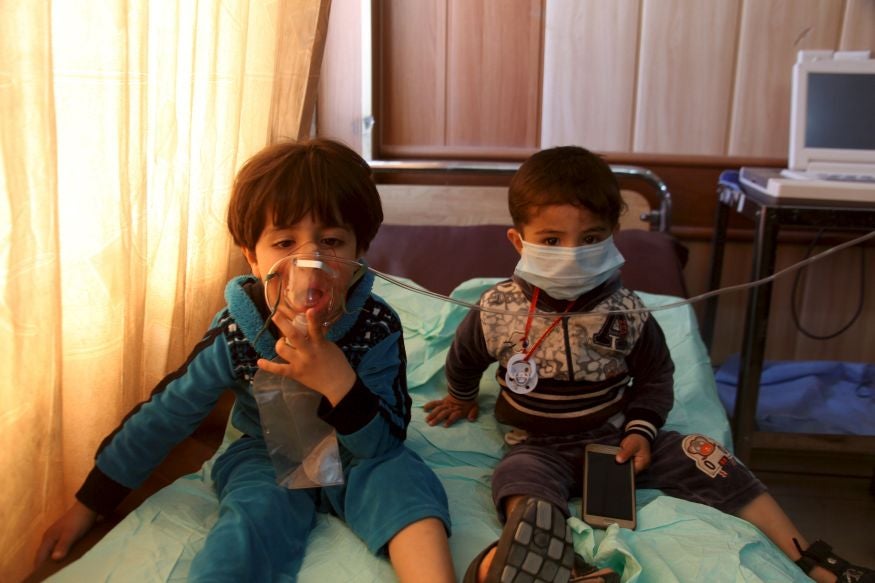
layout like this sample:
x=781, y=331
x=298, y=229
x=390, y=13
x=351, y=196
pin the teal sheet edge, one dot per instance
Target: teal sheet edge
x=675, y=540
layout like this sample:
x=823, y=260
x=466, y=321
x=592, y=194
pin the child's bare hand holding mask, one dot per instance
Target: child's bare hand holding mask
x=309, y=357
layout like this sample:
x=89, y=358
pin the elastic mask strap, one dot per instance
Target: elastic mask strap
x=273, y=308
x=359, y=273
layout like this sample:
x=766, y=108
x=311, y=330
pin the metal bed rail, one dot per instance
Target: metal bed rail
x=659, y=219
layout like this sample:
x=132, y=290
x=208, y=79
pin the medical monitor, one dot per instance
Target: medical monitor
x=832, y=113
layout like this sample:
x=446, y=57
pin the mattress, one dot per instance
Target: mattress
x=675, y=540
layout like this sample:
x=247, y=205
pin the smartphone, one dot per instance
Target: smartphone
x=608, y=488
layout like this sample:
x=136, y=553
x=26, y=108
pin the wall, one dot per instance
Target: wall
x=684, y=87
x=497, y=78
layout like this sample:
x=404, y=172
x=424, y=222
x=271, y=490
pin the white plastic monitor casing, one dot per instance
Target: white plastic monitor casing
x=823, y=159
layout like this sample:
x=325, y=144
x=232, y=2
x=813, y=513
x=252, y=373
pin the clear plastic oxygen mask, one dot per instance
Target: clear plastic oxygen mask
x=309, y=280
x=303, y=448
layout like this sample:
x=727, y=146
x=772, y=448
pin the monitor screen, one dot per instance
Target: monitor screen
x=832, y=114
x=841, y=111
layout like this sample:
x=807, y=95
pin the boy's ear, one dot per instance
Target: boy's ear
x=251, y=259
x=516, y=239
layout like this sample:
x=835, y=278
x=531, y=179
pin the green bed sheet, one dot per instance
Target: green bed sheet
x=674, y=541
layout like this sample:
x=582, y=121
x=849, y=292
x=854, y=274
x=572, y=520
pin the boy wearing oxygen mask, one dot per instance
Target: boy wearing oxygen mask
x=593, y=378
x=309, y=208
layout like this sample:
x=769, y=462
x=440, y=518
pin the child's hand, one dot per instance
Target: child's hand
x=449, y=410
x=310, y=359
x=636, y=447
x=60, y=536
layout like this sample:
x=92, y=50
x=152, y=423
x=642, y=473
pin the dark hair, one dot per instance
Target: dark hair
x=565, y=175
x=291, y=180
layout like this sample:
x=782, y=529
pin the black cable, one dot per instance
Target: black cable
x=794, y=310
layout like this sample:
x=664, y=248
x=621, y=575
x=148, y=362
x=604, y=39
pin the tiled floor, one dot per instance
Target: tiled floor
x=828, y=499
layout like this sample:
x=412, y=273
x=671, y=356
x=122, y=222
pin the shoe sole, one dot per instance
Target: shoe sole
x=535, y=546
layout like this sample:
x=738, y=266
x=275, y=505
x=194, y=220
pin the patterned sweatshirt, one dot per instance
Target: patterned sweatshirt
x=370, y=420
x=593, y=369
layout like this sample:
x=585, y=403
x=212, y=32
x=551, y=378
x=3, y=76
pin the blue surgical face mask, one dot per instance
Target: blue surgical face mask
x=566, y=273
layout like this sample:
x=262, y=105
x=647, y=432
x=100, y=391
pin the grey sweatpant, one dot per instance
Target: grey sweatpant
x=691, y=467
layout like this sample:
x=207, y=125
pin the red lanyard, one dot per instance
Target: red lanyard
x=532, y=307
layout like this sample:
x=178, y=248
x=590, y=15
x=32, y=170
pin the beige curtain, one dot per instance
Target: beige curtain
x=122, y=123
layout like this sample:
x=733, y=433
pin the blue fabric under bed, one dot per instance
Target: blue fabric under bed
x=674, y=541
x=808, y=396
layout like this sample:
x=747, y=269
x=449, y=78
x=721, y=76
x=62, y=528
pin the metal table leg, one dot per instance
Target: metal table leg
x=754, y=341
x=718, y=247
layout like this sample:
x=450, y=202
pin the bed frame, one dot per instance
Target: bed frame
x=444, y=243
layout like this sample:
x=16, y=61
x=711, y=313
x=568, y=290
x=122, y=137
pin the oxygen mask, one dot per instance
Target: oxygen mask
x=311, y=279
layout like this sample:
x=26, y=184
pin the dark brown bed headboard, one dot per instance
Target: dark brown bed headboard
x=440, y=257
x=452, y=246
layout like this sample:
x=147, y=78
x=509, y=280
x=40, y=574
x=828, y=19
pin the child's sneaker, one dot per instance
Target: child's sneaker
x=535, y=545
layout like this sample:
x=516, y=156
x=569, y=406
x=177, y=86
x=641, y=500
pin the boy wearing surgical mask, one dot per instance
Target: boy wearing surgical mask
x=588, y=378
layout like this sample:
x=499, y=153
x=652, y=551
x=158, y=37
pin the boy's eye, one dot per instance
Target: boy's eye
x=284, y=244
x=590, y=240
x=551, y=241
x=332, y=242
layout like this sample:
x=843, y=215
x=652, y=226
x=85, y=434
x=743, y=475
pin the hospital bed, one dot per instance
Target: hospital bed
x=450, y=238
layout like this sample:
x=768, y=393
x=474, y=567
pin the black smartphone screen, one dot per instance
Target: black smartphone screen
x=609, y=488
